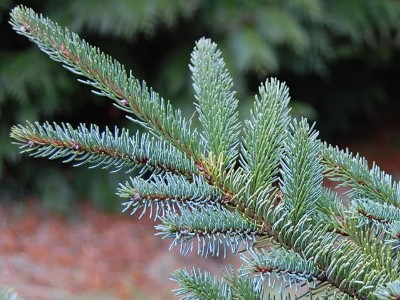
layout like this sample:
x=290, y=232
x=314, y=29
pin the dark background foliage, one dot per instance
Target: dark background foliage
x=340, y=59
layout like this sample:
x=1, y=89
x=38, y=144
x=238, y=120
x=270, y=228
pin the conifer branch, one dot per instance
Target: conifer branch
x=199, y=285
x=377, y=212
x=301, y=182
x=109, y=78
x=166, y=193
x=105, y=149
x=264, y=135
x=216, y=103
x=269, y=264
x=356, y=271
x=331, y=211
x=353, y=171
x=230, y=287
x=212, y=228
x=244, y=287
x=304, y=237
x=370, y=242
x=199, y=193
x=345, y=266
x=326, y=291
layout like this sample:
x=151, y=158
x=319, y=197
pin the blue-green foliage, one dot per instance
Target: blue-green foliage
x=271, y=204
x=269, y=118
x=199, y=285
x=301, y=182
x=168, y=193
x=282, y=264
x=105, y=149
x=256, y=38
x=216, y=103
x=211, y=230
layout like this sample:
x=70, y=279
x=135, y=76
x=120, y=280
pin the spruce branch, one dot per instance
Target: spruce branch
x=197, y=285
x=353, y=171
x=326, y=291
x=243, y=287
x=109, y=150
x=216, y=104
x=109, y=78
x=278, y=262
x=264, y=135
x=331, y=211
x=301, y=181
x=274, y=198
x=212, y=228
x=166, y=193
x=357, y=271
x=375, y=211
x=311, y=241
x=346, y=268
x=370, y=242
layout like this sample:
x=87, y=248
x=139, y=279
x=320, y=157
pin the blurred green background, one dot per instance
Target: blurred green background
x=340, y=59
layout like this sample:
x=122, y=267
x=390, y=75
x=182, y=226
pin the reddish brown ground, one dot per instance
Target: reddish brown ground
x=100, y=256
x=92, y=256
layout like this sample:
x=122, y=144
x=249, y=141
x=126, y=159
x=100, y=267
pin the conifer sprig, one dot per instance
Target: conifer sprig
x=214, y=229
x=168, y=193
x=194, y=285
x=109, y=78
x=216, y=103
x=243, y=287
x=301, y=181
x=281, y=263
x=378, y=212
x=206, y=201
x=393, y=237
x=199, y=285
x=353, y=171
x=343, y=264
x=380, y=265
x=264, y=135
x=109, y=150
x=331, y=211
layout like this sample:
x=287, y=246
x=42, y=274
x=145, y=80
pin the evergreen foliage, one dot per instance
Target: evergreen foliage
x=215, y=191
x=298, y=39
